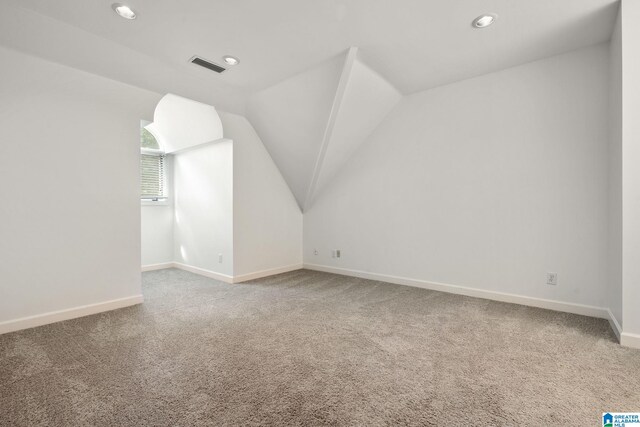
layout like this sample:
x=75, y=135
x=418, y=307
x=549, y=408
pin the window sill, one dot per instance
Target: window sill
x=164, y=202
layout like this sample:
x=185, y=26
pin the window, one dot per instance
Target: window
x=147, y=140
x=152, y=176
x=152, y=167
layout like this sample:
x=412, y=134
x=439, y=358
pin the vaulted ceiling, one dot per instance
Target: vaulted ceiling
x=315, y=77
x=313, y=122
x=414, y=44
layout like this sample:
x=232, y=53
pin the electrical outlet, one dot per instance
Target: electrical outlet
x=220, y=258
x=315, y=252
x=552, y=279
x=335, y=253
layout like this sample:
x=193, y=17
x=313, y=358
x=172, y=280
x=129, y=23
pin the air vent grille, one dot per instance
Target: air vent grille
x=207, y=64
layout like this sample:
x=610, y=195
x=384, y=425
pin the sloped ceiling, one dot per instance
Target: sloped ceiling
x=312, y=98
x=291, y=119
x=414, y=44
x=313, y=122
x=181, y=123
x=55, y=40
x=365, y=102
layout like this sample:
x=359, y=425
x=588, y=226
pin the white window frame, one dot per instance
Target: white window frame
x=161, y=201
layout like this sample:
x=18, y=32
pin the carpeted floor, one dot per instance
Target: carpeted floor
x=309, y=348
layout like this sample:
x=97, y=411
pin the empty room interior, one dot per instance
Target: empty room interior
x=304, y=212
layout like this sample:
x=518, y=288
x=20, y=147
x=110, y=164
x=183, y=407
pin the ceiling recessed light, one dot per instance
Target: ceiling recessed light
x=484, y=21
x=230, y=60
x=123, y=10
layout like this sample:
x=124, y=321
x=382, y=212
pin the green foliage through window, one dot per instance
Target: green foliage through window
x=147, y=140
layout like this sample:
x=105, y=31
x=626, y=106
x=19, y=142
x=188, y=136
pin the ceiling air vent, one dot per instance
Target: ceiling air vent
x=207, y=64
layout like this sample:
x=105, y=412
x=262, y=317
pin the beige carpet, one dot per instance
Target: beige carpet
x=308, y=348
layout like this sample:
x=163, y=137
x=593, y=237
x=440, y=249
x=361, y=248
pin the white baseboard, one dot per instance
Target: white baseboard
x=266, y=273
x=70, y=313
x=585, y=310
x=617, y=329
x=86, y=310
x=630, y=340
x=223, y=277
x=152, y=267
x=206, y=273
x=624, y=338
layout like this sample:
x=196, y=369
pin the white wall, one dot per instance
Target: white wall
x=69, y=161
x=630, y=14
x=266, y=218
x=203, y=197
x=157, y=234
x=228, y=198
x=291, y=119
x=487, y=183
x=366, y=100
x=157, y=225
x=614, y=281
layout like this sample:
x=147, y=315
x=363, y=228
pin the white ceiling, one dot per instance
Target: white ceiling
x=414, y=44
x=39, y=35
x=294, y=57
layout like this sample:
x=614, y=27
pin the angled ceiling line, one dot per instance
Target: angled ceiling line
x=333, y=115
x=368, y=100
